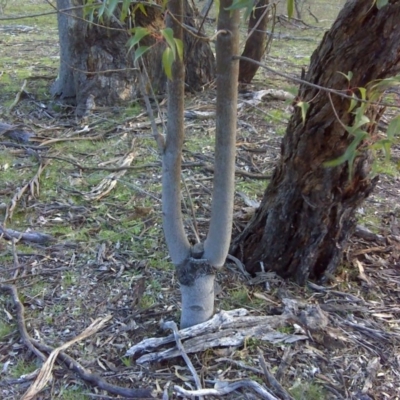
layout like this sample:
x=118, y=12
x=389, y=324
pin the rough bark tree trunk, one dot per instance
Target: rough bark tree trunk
x=256, y=43
x=94, y=63
x=308, y=210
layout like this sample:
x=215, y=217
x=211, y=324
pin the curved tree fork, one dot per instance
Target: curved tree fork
x=196, y=265
x=308, y=211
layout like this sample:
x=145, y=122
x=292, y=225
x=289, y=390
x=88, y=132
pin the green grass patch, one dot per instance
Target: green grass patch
x=22, y=367
x=308, y=391
x=5, y=328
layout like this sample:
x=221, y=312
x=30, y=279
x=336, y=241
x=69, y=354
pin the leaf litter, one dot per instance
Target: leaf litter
x=108, y=258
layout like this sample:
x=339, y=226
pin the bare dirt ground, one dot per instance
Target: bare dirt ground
x=107, y=258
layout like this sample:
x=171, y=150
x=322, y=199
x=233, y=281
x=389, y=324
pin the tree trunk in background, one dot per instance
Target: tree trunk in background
x=94, y=63
x=256, y=43
x=308, y=210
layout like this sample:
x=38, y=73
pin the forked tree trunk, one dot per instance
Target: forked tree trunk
x=308, y=211
x=256, y=42
x=94, y=62
x=195, y=266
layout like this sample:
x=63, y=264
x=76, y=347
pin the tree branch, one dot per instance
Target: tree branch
x=177, y=242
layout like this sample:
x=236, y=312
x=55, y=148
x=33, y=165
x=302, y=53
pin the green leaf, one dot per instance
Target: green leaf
x=247, y=5
x=239, y=4
x=393, y=128
x=381, y=3
x=353, y=102
x=304, y=106
x=140, y=51
x=385, y=145
x=290, y=8
x=140, y=33
x=102, y=9
x=363, y=92
x=376, y=88
x=142, y=8
x=125, y=8
x=179, y=48
x=167, y=61
x=349, y=75
x=112, y=4
x=350, y=153
x=359, y=120
x=168, y=34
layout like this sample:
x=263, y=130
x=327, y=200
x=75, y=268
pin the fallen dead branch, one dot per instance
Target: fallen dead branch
x=15, y=133
x=172, y=325
x=227, y=328
x=271, y=380
x=33, y=237
x=108, y=183
x=223, y=388
x=38, y=348
x=45, y=374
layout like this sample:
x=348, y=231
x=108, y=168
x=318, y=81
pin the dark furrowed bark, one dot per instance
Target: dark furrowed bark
x=256, y=43
x=95, y=60
x=308, y=211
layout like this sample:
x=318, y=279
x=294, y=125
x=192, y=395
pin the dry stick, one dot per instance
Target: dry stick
x=285, y=362
x=206, y=166
x=194, y=222
x=33, y=185
x=158, y=137
x=20, y=311
x=267, y=7
x=271, y=36
x=336, y=114
x=36, y=347
x=225, y=388
x=18, y=96
x=276, y=386
x=172, y=325
x=34, y=237
x=70, y=139
x=15, y=258
x=313, y=85
x=45, y=373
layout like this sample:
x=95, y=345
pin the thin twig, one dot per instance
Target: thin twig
x=276, y=386
x=225, y=388
x=336, y=114
x=158, y=137
x=313, y=85
x=172, y=325
x=37, y=348
x=17, y=266
x=18, y=96
x=194, y=221
x=20, y=311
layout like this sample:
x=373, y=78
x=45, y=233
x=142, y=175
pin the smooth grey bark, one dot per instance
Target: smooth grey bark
x=64, y=86
x=217, y=243
x=195, y=265
x=177, y=242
